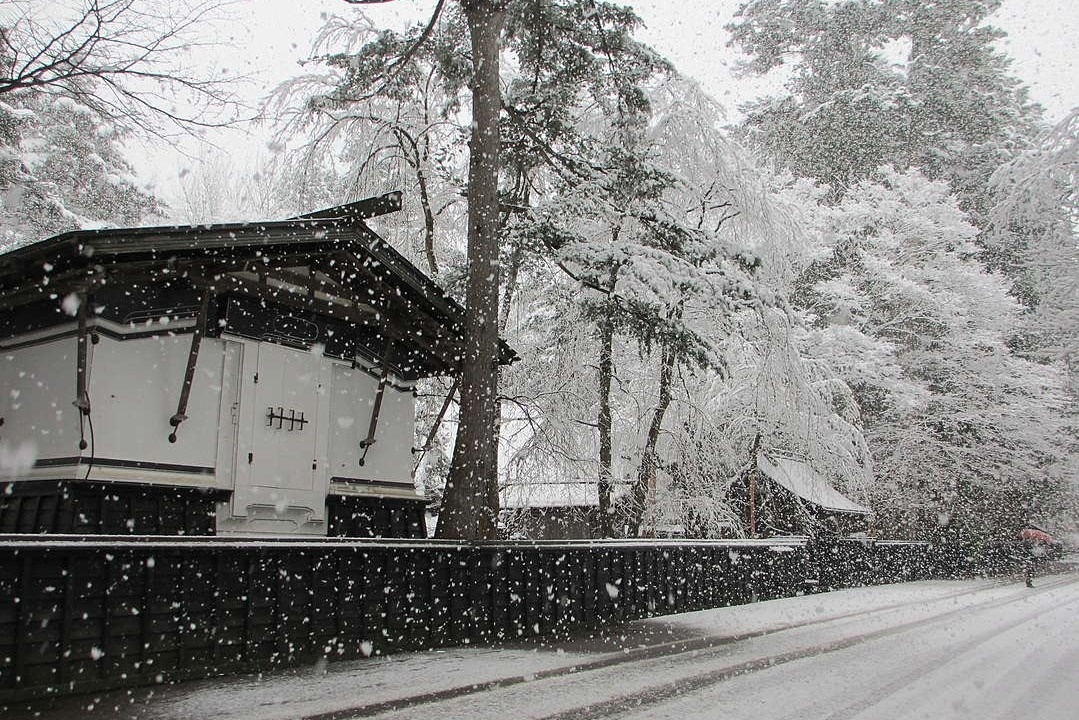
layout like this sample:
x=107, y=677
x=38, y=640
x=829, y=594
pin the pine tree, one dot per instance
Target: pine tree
x=62, y=168
x=898, y=82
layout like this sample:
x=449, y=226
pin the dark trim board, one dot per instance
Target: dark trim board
x=375, y=486
x=135, y=308
x=106, y=332
x=117, y=463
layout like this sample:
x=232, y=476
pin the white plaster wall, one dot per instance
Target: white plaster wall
x=37, y=392
x=134, y=390
x=351, y=402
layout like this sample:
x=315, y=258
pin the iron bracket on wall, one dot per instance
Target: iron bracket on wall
x=82, y=366
x=383, y=381
x=192, y=360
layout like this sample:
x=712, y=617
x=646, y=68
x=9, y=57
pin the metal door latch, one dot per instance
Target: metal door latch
x=292, y=418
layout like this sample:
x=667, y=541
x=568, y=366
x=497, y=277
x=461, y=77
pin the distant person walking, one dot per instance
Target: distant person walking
x=1036, y=544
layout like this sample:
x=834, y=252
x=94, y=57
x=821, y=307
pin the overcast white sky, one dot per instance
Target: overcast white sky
x=267, y=39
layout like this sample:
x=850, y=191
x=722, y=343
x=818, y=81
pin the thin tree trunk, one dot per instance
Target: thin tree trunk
x=644, y=489
x=603, y=422
x=428, y=220
x=753, y=474
x=516, y=256
x=520, y=195
x=606, y=373
x=470, y=508
x=416, y=158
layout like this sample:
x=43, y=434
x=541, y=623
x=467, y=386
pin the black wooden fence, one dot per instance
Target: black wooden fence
x=85, y=614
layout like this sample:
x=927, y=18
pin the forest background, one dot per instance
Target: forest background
x=873, y=265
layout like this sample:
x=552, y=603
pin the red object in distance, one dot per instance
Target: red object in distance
x=1033, y=535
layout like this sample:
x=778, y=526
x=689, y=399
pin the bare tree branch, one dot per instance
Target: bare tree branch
x=402, y=60
x=121, y=59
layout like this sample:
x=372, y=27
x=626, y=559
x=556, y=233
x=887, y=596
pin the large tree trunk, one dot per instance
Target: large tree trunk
x=470, y=508
x=644, y=489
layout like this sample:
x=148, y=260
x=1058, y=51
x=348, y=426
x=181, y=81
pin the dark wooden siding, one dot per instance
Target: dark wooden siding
x=375, y=517
x=107, y=509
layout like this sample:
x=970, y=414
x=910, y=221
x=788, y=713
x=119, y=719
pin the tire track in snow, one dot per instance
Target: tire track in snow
x=660, y=650
x=668, y=691
x=942, y=659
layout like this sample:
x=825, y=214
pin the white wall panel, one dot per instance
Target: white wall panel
x=134, y=390
x=37, y=392
x=352, y=400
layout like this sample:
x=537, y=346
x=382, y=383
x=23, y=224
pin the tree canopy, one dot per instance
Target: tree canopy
x=76, y=79
x=875, y=270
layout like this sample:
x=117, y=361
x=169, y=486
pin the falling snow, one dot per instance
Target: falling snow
x=540, y=365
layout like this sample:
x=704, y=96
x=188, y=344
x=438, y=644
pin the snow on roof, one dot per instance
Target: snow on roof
x=805, y=482
x=567, y=493
x=279, y=264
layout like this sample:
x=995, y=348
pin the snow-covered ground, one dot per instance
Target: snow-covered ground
x=980, y=649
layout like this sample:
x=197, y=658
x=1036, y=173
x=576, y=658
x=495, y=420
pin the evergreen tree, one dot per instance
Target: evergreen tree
x=967, y=431
x=62, y=168
x=899, y=82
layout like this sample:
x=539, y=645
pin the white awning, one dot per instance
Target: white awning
x=807, y=483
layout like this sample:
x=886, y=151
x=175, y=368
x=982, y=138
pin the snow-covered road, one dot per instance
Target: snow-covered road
x=1017, y=660
x=974, y=649
x=1006, y=657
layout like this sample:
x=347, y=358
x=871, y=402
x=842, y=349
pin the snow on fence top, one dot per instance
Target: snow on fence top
x=118, y=542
